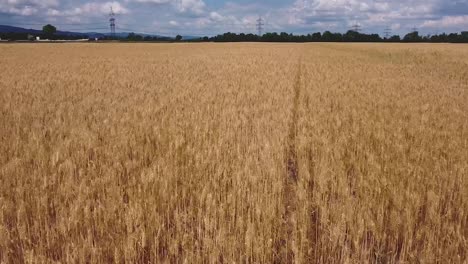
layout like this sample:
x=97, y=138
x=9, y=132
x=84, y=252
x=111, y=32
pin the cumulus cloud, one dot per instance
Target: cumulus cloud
x=22, y=11
x=336, y=10
x=153, y=1
x=102, y=8
x=216, y=16
x=194, y=7
x=34, y=3
x=90, y=10
x=25, y=7
x=52, y=8
x=298, y=16
x=304, y=16
x=191, y=6
x=447, y=22
x=372, y=15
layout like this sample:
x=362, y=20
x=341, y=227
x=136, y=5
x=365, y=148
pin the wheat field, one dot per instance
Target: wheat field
x=233, y=153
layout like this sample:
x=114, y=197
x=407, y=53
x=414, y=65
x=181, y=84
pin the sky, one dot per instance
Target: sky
x=211, y=17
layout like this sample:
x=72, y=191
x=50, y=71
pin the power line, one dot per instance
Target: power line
x=83, y=29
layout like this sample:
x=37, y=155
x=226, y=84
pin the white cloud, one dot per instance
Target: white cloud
x=53, y=12
x=200, y=17
x=91, y=9
x=216, y=16
x=46, y=3
x=196, y=7
x=25, y=7
x=153, y=1
x=373, y=16
x=191, y=6
x=22, y=11
x=103, y=8
x=35, y=3
x=395, y=26
x=447, y=21
x=51, y=8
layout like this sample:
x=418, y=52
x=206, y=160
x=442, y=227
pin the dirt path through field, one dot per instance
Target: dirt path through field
x=287, y=242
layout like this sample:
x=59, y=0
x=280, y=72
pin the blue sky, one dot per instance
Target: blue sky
x=210, y=17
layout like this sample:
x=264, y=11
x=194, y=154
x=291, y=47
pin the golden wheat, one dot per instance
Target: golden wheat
x=207, y=153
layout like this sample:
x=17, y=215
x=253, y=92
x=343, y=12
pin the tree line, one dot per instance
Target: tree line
x=135, y=37
x=327, y=36
x=50, y=32
x=14, y=36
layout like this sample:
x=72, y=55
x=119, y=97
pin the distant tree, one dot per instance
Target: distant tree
x=412, y=37
x=48, y=31
x=271, y=37
x=352, y=36
x=394, y=38
x=464, y=36
x=454, y=38
x=14, y=36
x=327, y=36
x=439, y=38
x=284, y=37
x=316, y=36
x=178, y=38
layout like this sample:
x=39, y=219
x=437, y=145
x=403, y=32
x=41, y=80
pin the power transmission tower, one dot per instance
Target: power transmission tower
x=260, y=25
x=356, y=28
x=387, y=32
x=112, y=22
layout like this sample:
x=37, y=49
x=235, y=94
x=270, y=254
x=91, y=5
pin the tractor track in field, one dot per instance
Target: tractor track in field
x=285, y=245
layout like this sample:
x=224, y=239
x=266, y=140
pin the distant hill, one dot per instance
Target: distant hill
x=12, y=29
